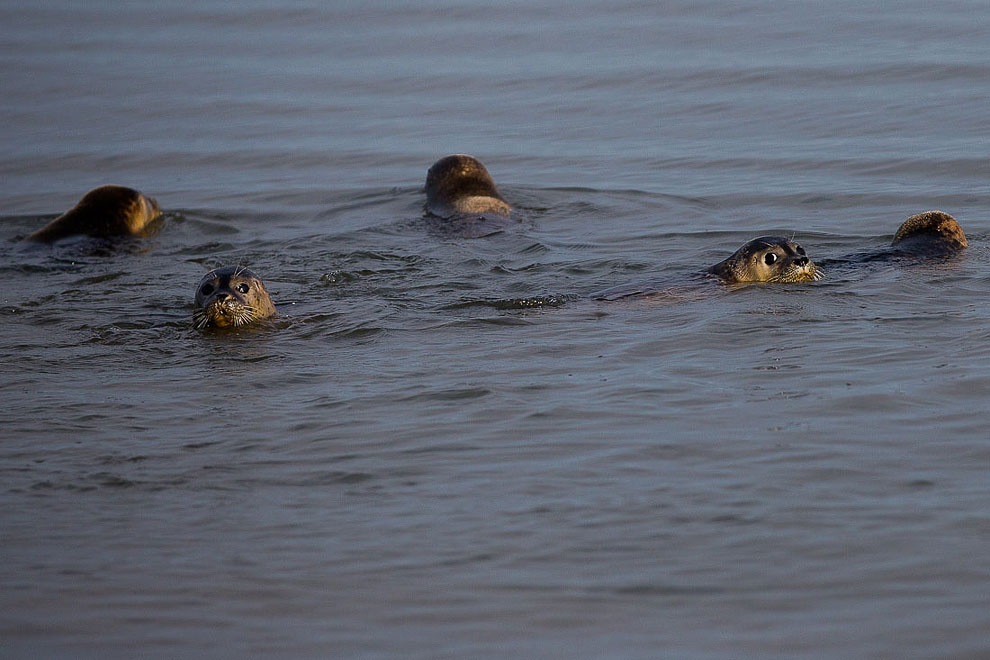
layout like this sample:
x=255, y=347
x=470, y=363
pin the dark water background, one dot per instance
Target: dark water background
x=444, y=448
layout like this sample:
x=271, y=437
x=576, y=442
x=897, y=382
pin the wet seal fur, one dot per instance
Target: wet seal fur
x=928, y=235
x=932, y=233
x=460, y=185
x=767, y=259
x=231, y=297
x=102, y=213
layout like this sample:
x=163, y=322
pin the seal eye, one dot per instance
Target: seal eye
x=207, y=289
x=243, y=288
x=770, y=259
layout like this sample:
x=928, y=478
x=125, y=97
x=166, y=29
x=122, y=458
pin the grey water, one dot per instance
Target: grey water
x=444, y=446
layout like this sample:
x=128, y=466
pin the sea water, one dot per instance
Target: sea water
x=445, y=446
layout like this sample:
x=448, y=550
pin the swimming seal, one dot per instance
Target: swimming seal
x=103, y=212
x=763, y=259
x=932, y=233
x=460, y=185
x=928, y=235
x=767, y=259
x=231, y=296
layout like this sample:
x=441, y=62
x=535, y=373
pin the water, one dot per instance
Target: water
x=444, y=447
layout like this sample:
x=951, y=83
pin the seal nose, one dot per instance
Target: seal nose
x=220, y=297
x=801, y=261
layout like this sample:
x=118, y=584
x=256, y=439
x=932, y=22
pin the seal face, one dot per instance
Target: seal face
x=933, y=233
x=231, y=296
x=460, y=184
x=103, y=212
x=767, y=259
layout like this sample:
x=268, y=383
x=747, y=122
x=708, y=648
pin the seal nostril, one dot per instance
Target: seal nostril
x=801, y=261
x=221, y=297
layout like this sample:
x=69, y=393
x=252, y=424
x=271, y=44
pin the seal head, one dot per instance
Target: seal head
x=767, y=259
x=460, y=185
x=103, y=212
x=231, y=297
x=933, y=233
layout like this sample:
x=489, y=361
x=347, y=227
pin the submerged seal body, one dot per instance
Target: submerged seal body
x=932, y=233
x=460, y=185
x=103, y=212
x=928, y=235
x=231, y=296
x=767, y=259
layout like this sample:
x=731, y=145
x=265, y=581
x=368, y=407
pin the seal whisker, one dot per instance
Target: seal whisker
x=243, y=316
x=200, y=319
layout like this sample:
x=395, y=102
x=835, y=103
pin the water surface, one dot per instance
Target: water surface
x=444, y=447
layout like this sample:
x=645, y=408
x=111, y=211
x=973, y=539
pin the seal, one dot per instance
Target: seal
x=460, y=185
x=767, y=259
x=231, y=296
x=763, y=259
x=928, y=235
x=932, y=233
x=103, y=212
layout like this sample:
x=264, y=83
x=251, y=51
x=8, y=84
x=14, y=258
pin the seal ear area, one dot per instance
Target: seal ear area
x=931, y=229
